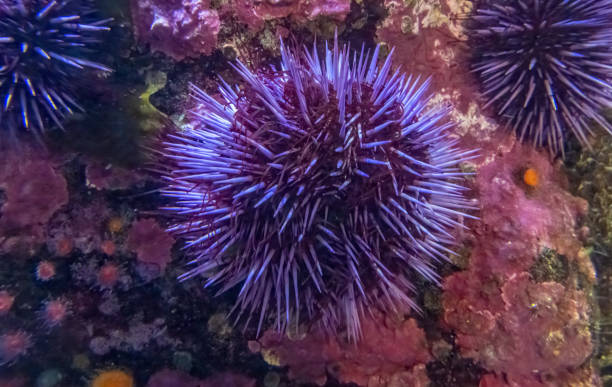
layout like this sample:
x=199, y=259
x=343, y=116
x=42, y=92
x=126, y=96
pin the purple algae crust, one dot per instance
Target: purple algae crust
x=318, y=188
x=545, y=66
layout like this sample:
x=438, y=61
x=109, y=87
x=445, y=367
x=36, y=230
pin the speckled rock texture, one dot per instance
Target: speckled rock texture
x=178, y=28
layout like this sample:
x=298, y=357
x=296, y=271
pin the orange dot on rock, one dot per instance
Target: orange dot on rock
x=531, y=177
x=115, y=224
x=113, y=378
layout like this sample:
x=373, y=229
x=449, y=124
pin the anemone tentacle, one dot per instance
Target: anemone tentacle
x=319, y=189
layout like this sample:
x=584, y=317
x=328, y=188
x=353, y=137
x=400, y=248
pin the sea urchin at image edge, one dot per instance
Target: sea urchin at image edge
x=44, y=50
x=545, y=65
x=320, y=188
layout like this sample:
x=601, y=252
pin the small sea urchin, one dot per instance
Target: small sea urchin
x=44, y=46
x=318, y=188
x=545, y=65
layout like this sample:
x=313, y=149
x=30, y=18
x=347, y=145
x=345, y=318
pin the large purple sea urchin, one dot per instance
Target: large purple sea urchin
x=318, y=188
x=44, y=48
x=546, y=65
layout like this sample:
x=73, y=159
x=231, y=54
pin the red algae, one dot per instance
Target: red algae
x=300, y=10
x=34, y=191
x=151, y=243
x=502, y=318
x=429, y=40
x=187, y=28
x=178, y=28
x=389, y=352
x=109, y=177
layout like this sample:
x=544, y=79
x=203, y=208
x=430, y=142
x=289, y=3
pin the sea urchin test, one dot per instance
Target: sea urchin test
x=45, y=47
x=319, y=189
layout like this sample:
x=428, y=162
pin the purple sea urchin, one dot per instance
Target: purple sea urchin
x=546, y=65
x=317, y=188
x=44, y=45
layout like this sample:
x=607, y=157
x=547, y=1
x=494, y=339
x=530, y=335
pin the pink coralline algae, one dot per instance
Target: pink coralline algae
x=518, y=221
x=427, y=39
x=178, y=28
x=541, y=328
x=254, y=12
x=171, y=378
x=151, y=243
x=585, y=377
x=505, y=320
x=109, y=177
x=33, y=192
x=391, y=353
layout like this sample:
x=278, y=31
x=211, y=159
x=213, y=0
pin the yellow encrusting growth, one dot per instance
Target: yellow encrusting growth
x=113, y=378
x=531, y=177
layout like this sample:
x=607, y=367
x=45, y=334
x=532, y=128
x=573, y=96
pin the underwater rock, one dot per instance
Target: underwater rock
x=593, y=176
x=300, y=10
x=32, y=192
x=518, y=220
x=13, y=382
x=502, y=318
x=109, y=177
x=541, y=328
x=80, y=224
x=583, y=377
x=138, y=337
x=178, y=28
x=151, y=243
x=426, y=37
x=172, y=378
x=390, y=353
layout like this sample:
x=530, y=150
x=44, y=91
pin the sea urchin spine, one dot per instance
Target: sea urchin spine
x=318, y=188
x=44, y=45
x=545, y=65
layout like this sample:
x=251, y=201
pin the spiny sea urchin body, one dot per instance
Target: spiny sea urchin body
x=545, y=65
x=320, y=188
x=45, y=47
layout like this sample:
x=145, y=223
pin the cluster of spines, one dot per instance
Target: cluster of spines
x=546, y=66
x=44, y=47
x=319, y=187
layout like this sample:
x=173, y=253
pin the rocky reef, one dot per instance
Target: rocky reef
x=88, y=273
